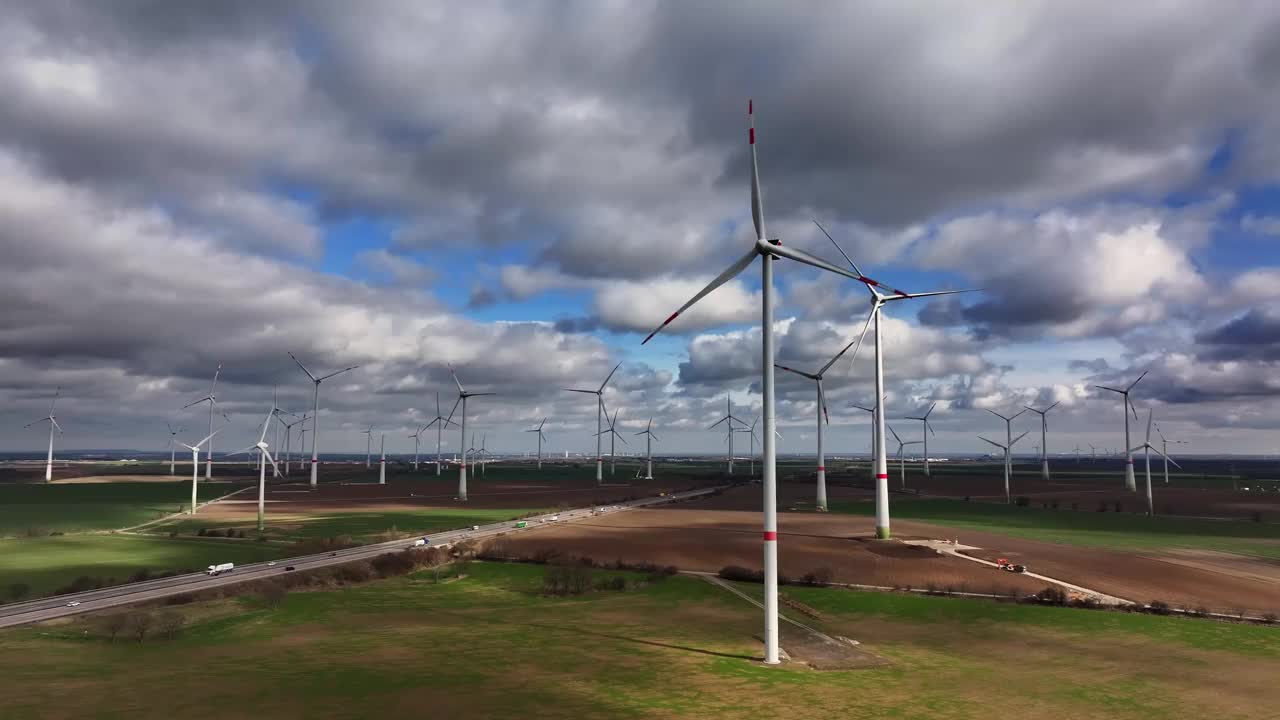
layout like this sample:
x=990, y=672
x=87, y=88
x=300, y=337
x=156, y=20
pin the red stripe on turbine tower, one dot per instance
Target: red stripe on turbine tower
x=770, y=536
x=882, y=476
x=822, y=468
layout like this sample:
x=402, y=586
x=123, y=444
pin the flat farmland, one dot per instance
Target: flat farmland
x=490, y=645
x=71, y=507
x=724, y=530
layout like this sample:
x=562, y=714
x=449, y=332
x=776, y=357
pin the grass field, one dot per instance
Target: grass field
x=71, y=508
x=354, y=523
x=489, y=646
x=1113, y=530
x=46, y=564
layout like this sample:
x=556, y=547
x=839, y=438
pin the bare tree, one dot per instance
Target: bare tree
x=171, y=623
x=139, y=623
x=273, y=594
x=114, y=624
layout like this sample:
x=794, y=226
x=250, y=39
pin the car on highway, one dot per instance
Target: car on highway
x=475, y=527
x=73, y=603
x=288, y=569
x=271, y=564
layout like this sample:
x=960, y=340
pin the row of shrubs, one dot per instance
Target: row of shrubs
x=40, y=532
x=815, y=578
x=500, y=551
x=227, y=533
x=139, y=625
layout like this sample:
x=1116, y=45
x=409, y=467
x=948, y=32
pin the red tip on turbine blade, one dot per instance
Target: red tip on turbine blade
x=901, y=294
x=882, y=476
x=770, y=536
x=665, y=323
x=869, y=281
x=751, y=136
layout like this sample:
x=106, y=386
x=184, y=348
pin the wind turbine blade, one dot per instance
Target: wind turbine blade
x=895, y=434
x=1015, y=440
x=822, y=401
x=610, y=376
x=590, y=392
x=899, y=295
x=57, y=391
x=993, y=412
x=655, y=438
x=326, y=377
x=993, y=442
x=438, y=404
x=1053, y=406
x=270, y=459
x=720, y=279
x=1149, y=416
x=214, y=386
x=930, y=411
x=1114, y=390
x=874, y=309
x=480, y=394
x=793, y=370
x=265, y=423
x=461, y=390
x=187, y=447
x=455, y=407
x=1135, y=382
x=801, y=256
x=1131, y=408
x=838, y=355
x=723, y=419
x=852, y=264
x=196, y=402
x=1018, y=413
x=929, y=426
x=757, y=205
x=304, y=368
x=55, y=423
x=206, y=439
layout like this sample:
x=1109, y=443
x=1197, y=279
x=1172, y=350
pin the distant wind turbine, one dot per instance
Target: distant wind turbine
x=648, y=448
x=612, y=431
x=1007, y=462
x=315, y=413
x=53, y=425
x=1165, y=451
x=212, y=399
x=265, y=457
x=902, y=460
x=1044, y=439
x=599, y=393
x=1148, y=447
x=439, y=421
x=729, y=419
x=173, y=445
x=195, y=466
x=1008, y=446
x=463, y=394
x=382, y=462
x=928, y=428
x=541, y=437
x=1129, y=482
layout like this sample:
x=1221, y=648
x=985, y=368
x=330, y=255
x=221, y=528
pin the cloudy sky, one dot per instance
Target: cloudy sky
x=525, y=189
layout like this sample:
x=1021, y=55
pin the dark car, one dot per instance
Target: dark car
x=287, y=569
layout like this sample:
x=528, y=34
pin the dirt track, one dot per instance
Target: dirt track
x=703, y=536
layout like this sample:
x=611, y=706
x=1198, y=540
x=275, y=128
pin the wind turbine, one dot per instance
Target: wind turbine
x=417, y=436
x=871, y=410
x=382, y=462
x=541, y=437
x=878, y=301
x=1006, y=449
x=599, y=393
x=1094, y=451
x=288, y=439
x=1165, y=451
x=173, y=444
x=648, y=448
x=613, y=436
x=1044, y=439
x=1129, y=483
x=1148, y=447
x=928, y=428
x=1008, y=438
x=729, y=419
x=213, y=402
x=264, y=456
x=53, y=424
x=484, y=452
x=823, y=418
x=315, y=413
x=902, y=461
x=439, y=421
x=368, y=445
x=195, y=466
x=1077, y=453
x=462, y=398
x=768, y=250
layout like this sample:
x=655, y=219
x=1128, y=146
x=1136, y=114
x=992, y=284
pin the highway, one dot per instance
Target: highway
x=58, y=606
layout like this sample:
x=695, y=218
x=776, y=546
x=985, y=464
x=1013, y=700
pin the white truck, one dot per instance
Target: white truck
x=420, y=542
x=221, y=568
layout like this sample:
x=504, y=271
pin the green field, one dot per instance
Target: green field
x=489, y=645
x=353, y=523
x=1114, y=530
x=46, y=564
x=37, y=508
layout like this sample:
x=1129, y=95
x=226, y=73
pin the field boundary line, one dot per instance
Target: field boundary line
x=171, y=516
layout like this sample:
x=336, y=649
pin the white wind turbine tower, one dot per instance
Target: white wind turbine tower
x=264, y=458
x=368, y=445
x=768, y=250
x=1148, y=447
x=612, y=431
x=1007, y=449
x=729, y=419
x=195, y=466
x=599, y=393
x=439, y=421
x=382, y=462
x=878, y=300
x=928, y=428
x=53, y=424
x=1044, y=439
x=1129, y=482
x=1008, y=438
x=751, y=439
x=315, y=413
x=541, y=437
x=213, y=402
x=823, y=418
x=484, y=452
x=648, y=449
x=173, y=444
x=462, y=437
x=902, y=460
x=1165, y=451
x=871, y=410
